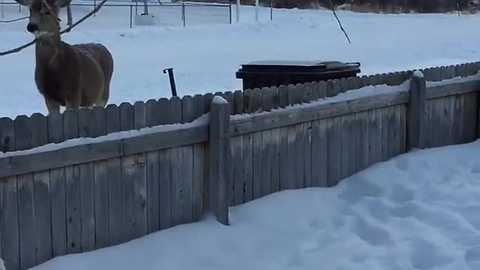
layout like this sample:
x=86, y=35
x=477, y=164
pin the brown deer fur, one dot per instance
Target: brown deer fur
x=66, y=75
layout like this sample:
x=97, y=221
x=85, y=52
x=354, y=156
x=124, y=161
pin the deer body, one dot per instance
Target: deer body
x=67, y=75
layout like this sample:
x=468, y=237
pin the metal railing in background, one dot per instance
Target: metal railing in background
x=188, y=13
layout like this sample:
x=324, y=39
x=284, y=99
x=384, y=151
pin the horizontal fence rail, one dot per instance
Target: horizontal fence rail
x=93, y=178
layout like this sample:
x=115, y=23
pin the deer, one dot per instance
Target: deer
x=68, y=75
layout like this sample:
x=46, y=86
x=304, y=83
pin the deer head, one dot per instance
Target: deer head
x=44, y=19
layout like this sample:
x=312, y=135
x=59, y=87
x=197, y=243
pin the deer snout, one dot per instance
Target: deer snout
x=31, y=27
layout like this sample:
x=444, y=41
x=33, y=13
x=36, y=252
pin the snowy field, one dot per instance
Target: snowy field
x=416, y=211
x=205, y=56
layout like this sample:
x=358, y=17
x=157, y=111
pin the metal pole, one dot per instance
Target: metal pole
x=271, y=11
x=256, y=10
x=183, y=13
x=230, y=12
x=3, y=11
x=131, y=15
x=238, y=11
x=172, y=80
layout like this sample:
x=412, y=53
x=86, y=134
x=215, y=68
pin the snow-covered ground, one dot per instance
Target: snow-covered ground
x=416, y=211
x=205, y=56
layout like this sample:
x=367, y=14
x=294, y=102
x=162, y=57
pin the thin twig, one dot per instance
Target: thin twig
x=66, y=30
x=339, y=23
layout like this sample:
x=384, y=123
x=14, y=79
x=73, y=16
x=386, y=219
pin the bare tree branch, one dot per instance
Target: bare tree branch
x=66, y=30
x=339, y=23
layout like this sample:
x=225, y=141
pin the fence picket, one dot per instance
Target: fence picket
x=57, y=189
x=72, y=174
x=87, y=194
x=9, y=237
x=98, y=127
x=139, y=176
x=186, y=165
x=41, y=186
x=255, y=106
x=198, y=163
x=153, y=187
x=26, y=212
x=115, y=187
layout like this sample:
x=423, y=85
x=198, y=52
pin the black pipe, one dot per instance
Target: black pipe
x=172, y=80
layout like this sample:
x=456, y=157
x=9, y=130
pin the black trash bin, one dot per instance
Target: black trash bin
x=275, y=73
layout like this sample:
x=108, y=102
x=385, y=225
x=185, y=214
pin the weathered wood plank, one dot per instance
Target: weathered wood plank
x=140, y=179
x=236, y=154
x=319, y=153
x=471, y=116
x=392, y=132
x=26, y=203
x=199, y=178
x=373, y=137
x=275, y=148
x=153, y=172
x=449, y=114
x=345, y=142
x=299, y=140
x=133, y=177
x=334, y=154
x=362, y=141
x=248, y=151
x=73, y=185
x=464, y=86
x=402, y=136
x=165, y=172
x=307, y=151
x=283, y=141
x=384, y=116
x=256, y=105
x=87, y=193
x=9, y=203
x=115, y=190
x=100, y=178
x=186, y=165
x=57, y=190
x=292, y=116
x=266, y=146
x=176, y=169
x=10, y=222
x=127, y=122
x=352, y=169
x=165, y=188
x=41, y=186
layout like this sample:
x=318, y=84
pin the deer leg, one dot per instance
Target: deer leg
x=52, y=105
x=74, y=102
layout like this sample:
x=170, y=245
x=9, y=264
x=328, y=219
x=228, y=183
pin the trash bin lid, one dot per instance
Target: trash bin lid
x=279, y=66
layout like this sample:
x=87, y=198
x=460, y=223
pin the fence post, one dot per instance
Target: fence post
x=416, y=122
x=219, y=158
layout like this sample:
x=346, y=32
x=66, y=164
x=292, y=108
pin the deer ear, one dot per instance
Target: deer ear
x=24, y=2
x=62, y=3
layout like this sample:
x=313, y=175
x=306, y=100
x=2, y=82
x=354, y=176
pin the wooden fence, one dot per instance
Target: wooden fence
x=83, y=123
x=86, y=194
